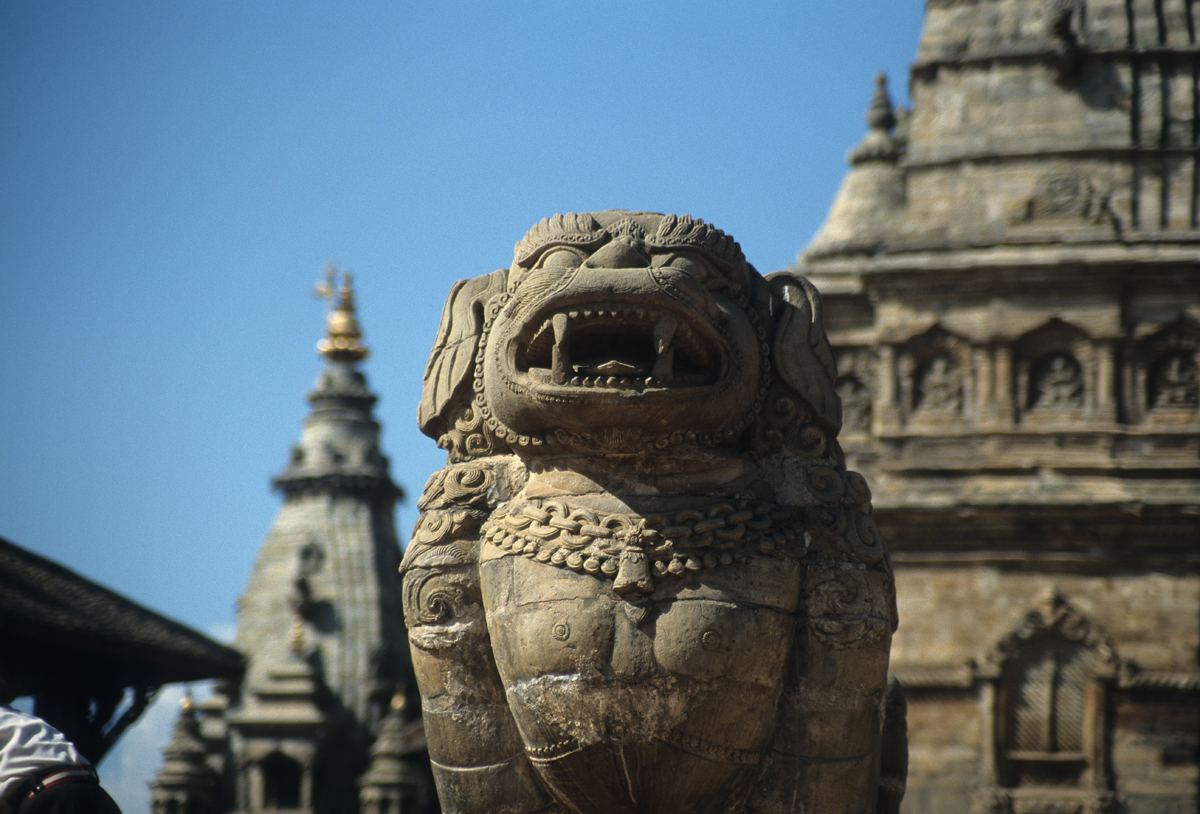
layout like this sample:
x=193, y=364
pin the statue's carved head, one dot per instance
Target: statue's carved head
x=626, y=332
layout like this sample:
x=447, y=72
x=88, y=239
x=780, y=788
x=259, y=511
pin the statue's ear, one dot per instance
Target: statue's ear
x=800, y=352
x=452, y=361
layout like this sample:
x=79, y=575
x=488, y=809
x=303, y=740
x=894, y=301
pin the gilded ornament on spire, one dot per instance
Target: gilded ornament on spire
x=342, y=342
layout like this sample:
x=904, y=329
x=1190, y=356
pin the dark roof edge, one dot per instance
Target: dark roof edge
x=44, y=596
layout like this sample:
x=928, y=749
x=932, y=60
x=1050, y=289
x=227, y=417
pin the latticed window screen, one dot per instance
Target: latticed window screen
x=1048, y=681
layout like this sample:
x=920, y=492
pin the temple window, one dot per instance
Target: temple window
x=1046, y=683
x=1045, y=691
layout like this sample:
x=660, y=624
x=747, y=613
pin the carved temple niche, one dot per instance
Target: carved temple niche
x=1166, y=375
x=856, y=385
x=1048, y=684
x=936, y=385
x=1056, y=374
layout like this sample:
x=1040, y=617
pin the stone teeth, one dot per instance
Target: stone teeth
x=664, y=331
x=668, y=334
x=562, y=326
x=560, y=358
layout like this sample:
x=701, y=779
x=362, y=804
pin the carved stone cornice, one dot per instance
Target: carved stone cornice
x=1136, y=679
x=371, y=484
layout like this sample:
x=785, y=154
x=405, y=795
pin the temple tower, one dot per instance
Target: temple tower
x=320, y=621
x=186, y=784
x=1011, y=274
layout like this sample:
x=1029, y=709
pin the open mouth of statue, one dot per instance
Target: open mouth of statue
x=622, y=347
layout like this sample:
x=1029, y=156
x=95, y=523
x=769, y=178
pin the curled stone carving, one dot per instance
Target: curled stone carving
x=617, y=602
x=845, y=609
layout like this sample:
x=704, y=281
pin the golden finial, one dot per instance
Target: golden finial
x=342, y=342
x=324, y=289
x=296, y=635
x=398, y=701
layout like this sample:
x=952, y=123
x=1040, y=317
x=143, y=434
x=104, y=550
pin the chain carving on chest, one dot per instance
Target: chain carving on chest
x=635, y=550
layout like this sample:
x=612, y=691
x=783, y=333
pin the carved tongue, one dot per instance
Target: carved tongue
x=664, y=365
x=560, y=359
x=617, y=368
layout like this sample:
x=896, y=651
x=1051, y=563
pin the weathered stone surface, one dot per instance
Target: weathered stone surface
x=645, y=581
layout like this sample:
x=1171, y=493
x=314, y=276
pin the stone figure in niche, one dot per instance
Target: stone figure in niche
x=941, y=388
x=1174, y=383
x=645, y=581
x=856, y=404
x=1058, y=383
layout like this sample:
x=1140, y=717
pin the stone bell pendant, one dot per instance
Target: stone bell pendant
x=633, y=573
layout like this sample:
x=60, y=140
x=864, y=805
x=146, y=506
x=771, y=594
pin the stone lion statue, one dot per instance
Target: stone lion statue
x=645, y=581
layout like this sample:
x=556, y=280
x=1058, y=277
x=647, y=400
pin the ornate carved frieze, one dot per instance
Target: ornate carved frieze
x=1062, y=196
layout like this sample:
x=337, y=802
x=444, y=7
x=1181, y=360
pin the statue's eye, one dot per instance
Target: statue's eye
x=561, y=257
x=693, y=267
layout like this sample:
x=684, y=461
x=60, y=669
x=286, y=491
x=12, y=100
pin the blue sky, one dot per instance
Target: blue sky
x=176, y=175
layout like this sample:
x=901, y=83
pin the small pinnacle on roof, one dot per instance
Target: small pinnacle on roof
x=879, y=144
x=342, y=342
x=881, y=115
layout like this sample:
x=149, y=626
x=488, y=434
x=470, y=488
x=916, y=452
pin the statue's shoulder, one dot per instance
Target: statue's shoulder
x=454, y=505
